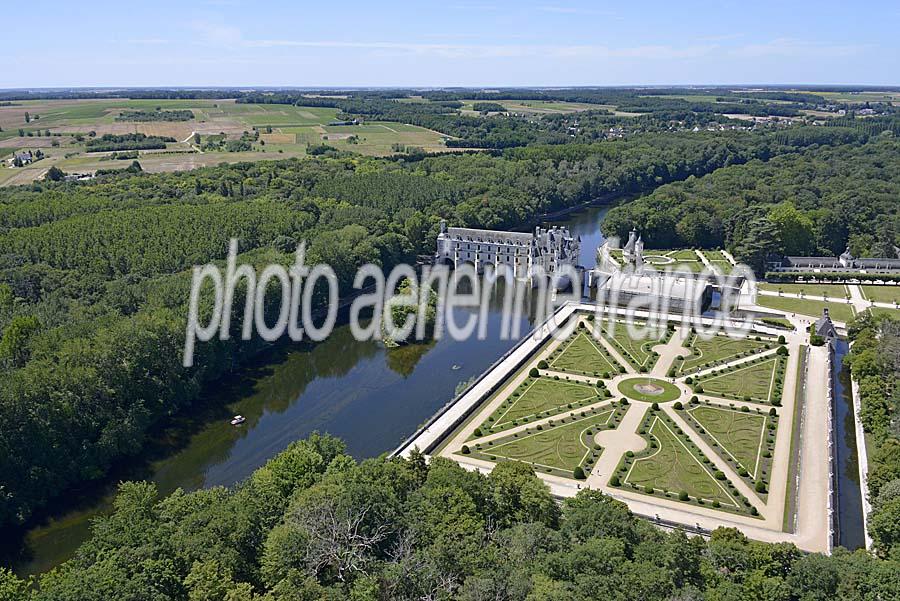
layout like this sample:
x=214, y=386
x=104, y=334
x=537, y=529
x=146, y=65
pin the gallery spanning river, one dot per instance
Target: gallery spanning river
x=369, y=396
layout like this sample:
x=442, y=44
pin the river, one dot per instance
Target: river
x=369, y=396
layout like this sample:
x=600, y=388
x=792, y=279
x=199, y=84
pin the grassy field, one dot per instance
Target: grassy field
x=542, y=396
x=718, y=261
x=739, y=435
x=558, y=449
x=716, y=350
x=755, y=381
x=882, y=294
x=669, y=465
x=538, y=107
x=836, y=291
x=813, y=308
x=583, y=355
x=861, y=97
x=285, y=131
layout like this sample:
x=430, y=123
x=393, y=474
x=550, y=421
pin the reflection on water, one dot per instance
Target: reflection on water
x=850, y=510
x=370, y=396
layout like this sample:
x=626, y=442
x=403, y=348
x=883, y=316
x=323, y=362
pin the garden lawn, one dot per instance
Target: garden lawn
x=718, y=349
x=838, y=311
x=637, y=352
x=563, y=447
x=583, y=355
x=881, y=294
x=738, y=434
x=673, y=467
x=836, y=291
x=541, y=395
x=756, y=381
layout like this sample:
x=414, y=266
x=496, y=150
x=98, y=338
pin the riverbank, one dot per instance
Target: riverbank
x=370, y=396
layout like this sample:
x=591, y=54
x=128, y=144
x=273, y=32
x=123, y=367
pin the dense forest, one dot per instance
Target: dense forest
x=313, y=524
x=812, y=203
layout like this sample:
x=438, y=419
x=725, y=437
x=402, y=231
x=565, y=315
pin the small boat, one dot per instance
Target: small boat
x=456, y=367
x=237, y=420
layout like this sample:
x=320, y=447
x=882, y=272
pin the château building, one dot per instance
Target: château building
x=543, y=251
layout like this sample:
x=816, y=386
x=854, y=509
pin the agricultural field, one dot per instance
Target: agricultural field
x=60, y=128
x=861, y=97
x=538, y=107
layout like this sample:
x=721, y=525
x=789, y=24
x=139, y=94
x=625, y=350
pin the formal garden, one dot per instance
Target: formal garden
x=635, y=349
x=717, y=350
x=759, y=380
x=572, y=390
x=583, y=355
x=672, y=466
x=744, y=437
x=562, y=446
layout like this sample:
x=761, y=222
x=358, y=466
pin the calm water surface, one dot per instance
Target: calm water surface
x=369, y=396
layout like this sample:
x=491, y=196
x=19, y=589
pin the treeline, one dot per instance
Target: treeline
x=157, y=115
x=874, y=362
x=315, y=524
x=117, y=142
x=814, y=203
x=136, y=94
x=757, y=108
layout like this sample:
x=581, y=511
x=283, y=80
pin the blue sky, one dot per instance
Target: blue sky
x=453, y=42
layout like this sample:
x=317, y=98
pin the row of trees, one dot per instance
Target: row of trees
x=312, y=524
x=874, y=362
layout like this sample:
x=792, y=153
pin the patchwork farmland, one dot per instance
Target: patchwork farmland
x=61, y=128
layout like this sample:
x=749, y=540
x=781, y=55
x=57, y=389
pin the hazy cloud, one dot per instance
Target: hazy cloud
x=793, y=48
